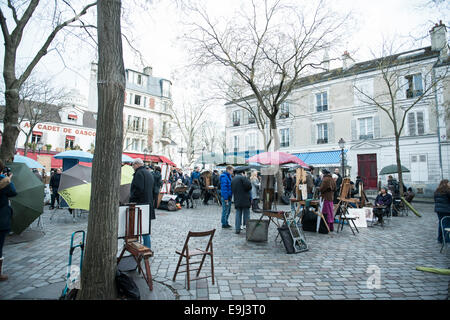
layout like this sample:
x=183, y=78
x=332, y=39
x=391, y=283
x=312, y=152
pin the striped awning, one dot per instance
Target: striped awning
x=321, y=158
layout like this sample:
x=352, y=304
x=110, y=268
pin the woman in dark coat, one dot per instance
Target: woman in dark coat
x=442, y=205
x=7, y=190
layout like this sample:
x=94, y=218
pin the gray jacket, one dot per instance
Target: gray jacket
x=255, y=188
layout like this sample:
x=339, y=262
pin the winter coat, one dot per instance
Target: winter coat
x=241, y=188
x=158, y=181
x=195, y=175
x=255, y=188
x=215, y=180
x=338, y=181
x=225, y=185
x=384, y=200
x=54, y=181
x=142, y=189
x=5, y=209
x=309, y=183
x=327, y=188
x=442, y=202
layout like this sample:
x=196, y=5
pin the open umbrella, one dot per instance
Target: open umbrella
x=277, y=158
x=75, y=185
x=76, y=155
x=391, y=169
x=29, y=202
x=28, y=161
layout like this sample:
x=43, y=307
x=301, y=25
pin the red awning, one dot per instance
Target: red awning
x=37, y=133
x=72, y=116
x=165, y=160
x=70, y=138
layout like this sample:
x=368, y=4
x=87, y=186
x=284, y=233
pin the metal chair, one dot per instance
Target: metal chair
x=188, y=254
x=445, y=232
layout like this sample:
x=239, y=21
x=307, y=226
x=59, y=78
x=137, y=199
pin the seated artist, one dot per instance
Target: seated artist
x=382, y=205
x=180, y=191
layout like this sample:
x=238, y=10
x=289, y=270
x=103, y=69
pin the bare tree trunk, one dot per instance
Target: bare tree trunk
x=11, y=128
x=99, y=266
x=399, y=164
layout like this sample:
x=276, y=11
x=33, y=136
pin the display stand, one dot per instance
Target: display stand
x=298, y=237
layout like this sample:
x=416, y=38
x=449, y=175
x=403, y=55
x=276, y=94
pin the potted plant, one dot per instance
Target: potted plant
x=48, y=146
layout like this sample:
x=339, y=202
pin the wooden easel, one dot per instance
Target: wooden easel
x=344, y=200
x=132, y=244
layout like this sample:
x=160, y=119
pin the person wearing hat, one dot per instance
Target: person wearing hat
x=327, y=189
x=241, y=187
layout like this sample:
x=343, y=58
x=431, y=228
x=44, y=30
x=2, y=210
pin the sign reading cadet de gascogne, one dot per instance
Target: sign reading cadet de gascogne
x=61, y=129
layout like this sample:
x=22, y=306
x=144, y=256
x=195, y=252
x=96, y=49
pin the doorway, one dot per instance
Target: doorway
x=367, y=170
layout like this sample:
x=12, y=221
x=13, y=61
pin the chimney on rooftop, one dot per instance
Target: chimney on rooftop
x=148, y=71
x=439, y=40
x=347, y=61
x=326, y=60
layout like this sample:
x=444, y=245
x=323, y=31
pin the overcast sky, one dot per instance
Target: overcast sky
x=155, y=35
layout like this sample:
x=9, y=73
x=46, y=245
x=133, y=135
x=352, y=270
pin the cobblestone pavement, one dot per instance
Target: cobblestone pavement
x=335, y=267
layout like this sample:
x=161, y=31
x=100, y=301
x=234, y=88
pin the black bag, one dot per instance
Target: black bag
x=196, y=194
x=169, y=205
x=309, y=222
x=127, y=287
x=285, y=235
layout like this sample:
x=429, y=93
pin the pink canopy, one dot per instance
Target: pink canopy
x=276, y=158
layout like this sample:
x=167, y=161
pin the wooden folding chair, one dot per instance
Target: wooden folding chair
x=133, y=246
x=188, y=254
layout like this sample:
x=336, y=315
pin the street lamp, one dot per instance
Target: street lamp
x=181, y=151
x=203, y=159
x=342, y=146
x=145, y=154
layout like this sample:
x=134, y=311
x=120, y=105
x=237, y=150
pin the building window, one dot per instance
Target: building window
x=322, y=133
x=251, y=118
x=129, y=123
x=135, y=144
x=236, y=118
x=70, y=142
x=415, y=123
x=284, y=138
x=139, y=79
x=414, y=86
x=137, y=100
x=251, y=142
x=136, y=123
x=284, y=110
x=365, y=128
x=236, y=144
x=72, y=117
x=127, y=147
x=321, y=102
x=166, y=89
x=36, y=137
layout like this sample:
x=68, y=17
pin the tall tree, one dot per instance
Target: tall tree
x=13, y=82
x=402, y=85
x=99, y=265
x=267, y=46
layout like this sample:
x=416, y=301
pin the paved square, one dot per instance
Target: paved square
x=337, y=266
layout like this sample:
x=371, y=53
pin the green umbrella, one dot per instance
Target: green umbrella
x=392, y=169
x=29, y=202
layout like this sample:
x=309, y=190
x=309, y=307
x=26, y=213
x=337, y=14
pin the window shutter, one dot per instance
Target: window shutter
x=330, y=132
x=411, y=124
x=420, y=123
x=291, y=137
x=313, y=133
x=244, y=117
x=376, y=127
x=354, y=131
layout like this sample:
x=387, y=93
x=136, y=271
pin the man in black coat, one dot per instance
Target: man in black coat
x=158, y=184
x=141, y=191
x=338, y=185
x=241, y=188
x=54, y=185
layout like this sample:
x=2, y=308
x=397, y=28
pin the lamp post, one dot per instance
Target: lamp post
x=145, y=154
x=181, y=151
x=203, y=159
x=342, y=146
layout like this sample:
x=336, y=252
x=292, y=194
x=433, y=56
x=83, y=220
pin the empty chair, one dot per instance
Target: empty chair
x=187, y=253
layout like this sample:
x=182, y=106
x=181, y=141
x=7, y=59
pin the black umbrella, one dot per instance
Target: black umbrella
x=392, y=169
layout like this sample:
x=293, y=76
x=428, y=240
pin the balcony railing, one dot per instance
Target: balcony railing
x=284, y=144
x=365, y=136
x=322, y=141
x=251, y=120
x=413, y=93
x=284, y=115
x=236, y=123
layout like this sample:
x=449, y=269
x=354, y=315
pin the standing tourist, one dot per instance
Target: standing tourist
x=241, y=187
x=226, y=195
x=338, y=185
x=158, y=184
x=141, y=192
x=327, y=189
x=54, y=185
x=195, y=175
x=256, y=185
x=309, y=185
x=7, y=190
x=442, y=205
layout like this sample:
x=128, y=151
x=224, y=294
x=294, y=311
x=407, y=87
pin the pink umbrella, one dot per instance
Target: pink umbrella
x=277, y=158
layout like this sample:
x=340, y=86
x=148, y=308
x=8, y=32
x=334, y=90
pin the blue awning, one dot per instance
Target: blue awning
x=321, y=158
